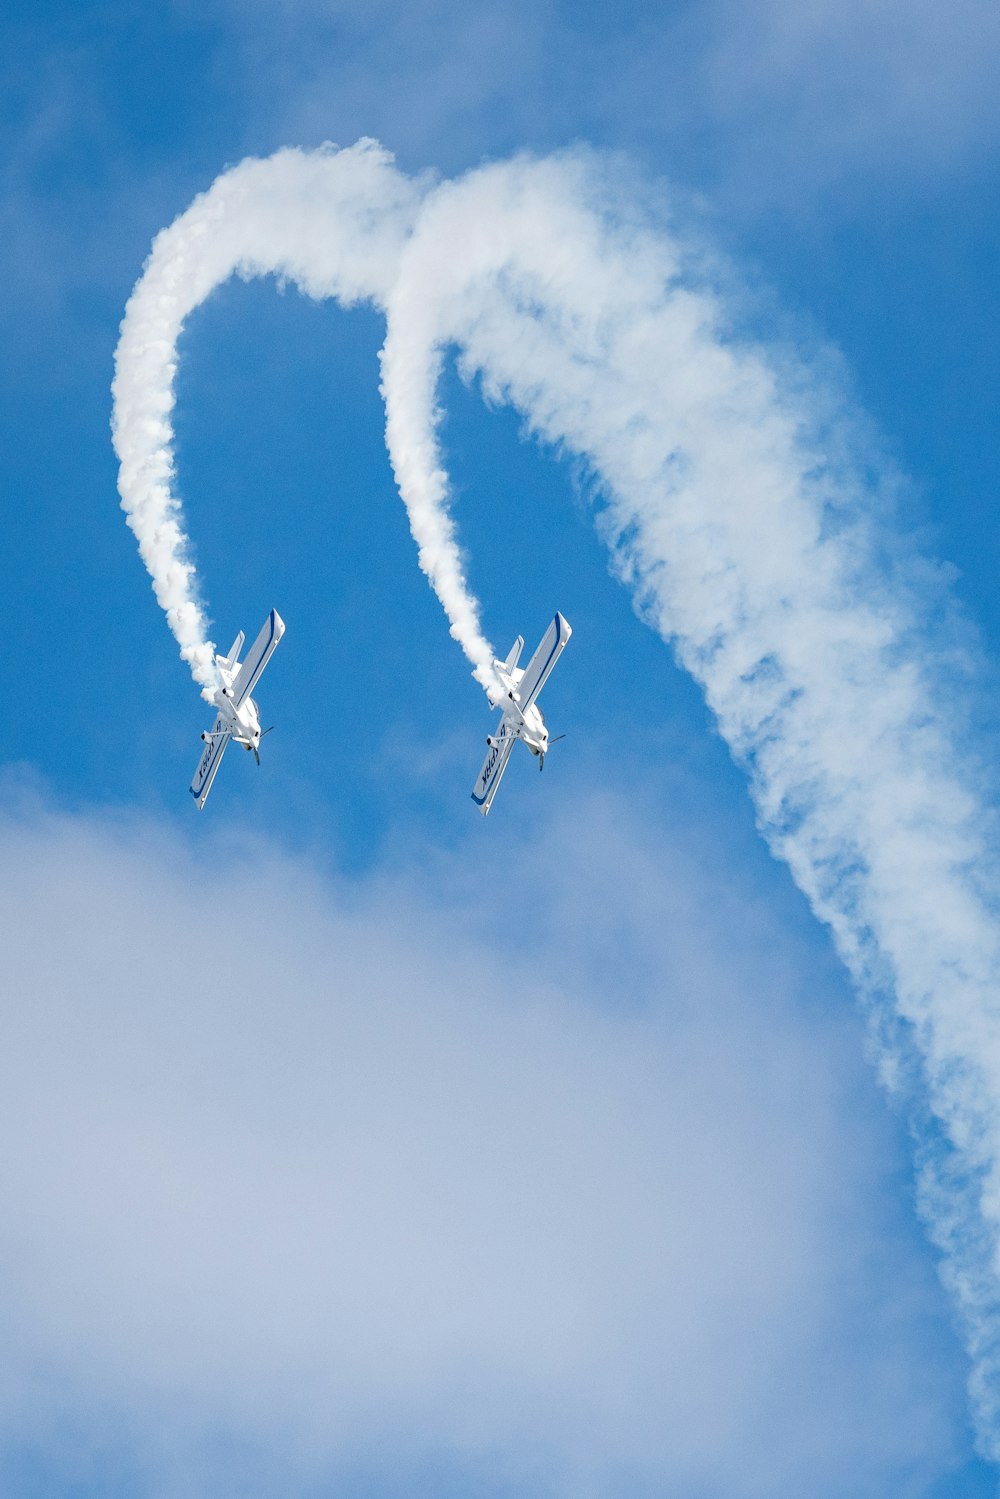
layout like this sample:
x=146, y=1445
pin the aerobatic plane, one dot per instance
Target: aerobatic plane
x=521, y=717
x=239, y=716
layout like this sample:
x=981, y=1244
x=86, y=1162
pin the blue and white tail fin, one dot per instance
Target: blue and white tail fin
x=514, y=655
x=507, y=674
x=230, y=663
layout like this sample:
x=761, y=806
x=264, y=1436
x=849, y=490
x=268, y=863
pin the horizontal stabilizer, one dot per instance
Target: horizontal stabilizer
x=211, y=759
x=493, y=767
x=537, y=670
x=258, y=656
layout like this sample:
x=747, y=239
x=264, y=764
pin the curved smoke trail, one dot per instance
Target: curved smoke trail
x=333, y=222
x=747, y=543
x=734, y=513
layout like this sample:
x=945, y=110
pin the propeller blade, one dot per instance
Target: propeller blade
x=256, y=755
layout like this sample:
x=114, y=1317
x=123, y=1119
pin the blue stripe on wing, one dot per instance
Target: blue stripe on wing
x=257, y=667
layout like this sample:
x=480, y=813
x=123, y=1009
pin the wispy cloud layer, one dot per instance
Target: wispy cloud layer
x=860, y=86
x=772, y=100
x=331, y=1170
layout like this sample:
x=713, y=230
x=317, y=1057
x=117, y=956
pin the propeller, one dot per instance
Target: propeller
x=543, y=753
x=256, y=752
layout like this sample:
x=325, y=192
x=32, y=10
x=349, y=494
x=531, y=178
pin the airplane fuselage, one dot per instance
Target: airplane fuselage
x=243, y=722
x=527, y=725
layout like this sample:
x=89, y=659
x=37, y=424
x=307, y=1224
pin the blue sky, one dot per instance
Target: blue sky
x=354, y=1145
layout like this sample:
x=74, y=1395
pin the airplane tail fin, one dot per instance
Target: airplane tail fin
x=230, y=661
x=506, y=671
x=514, y=655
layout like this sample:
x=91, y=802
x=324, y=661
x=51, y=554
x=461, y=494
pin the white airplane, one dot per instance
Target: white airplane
x=239, y=716
x=522, y=719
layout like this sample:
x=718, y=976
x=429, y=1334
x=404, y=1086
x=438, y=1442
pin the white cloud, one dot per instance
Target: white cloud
x=444, y=82
x=862, y=87
x=770, y=100
x=342, y=1169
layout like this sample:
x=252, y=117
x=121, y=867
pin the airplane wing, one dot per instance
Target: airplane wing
x=537, y=670
x=211, y=759
x=493, y=767
x=258, y=656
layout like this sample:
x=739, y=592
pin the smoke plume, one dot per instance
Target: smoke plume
x=333, y=222
x=739, y=505
x=739, y=508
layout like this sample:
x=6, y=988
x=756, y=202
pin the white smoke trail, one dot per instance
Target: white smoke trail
x=744, y=541
x=334, y=223
x=739, y=523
